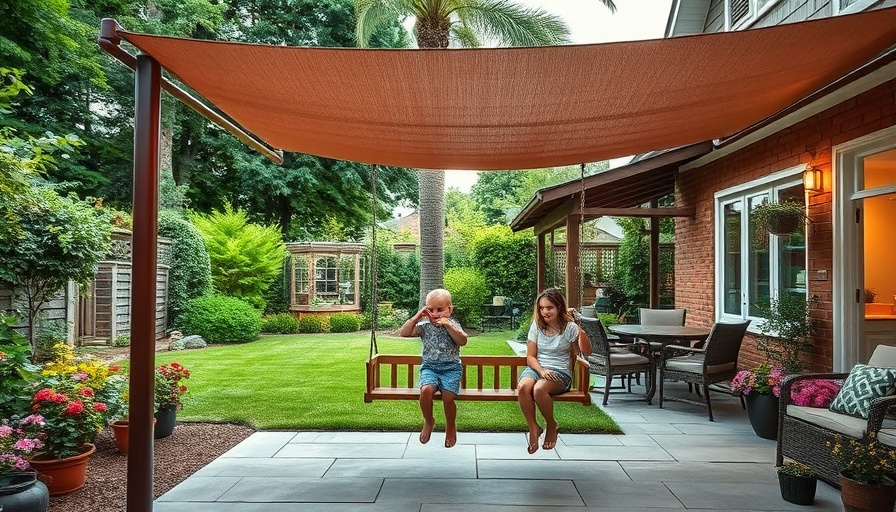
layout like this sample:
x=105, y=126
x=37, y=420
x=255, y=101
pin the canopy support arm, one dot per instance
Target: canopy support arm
x=110, y=43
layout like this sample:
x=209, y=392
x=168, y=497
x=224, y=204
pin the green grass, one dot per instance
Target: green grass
x=317, y=381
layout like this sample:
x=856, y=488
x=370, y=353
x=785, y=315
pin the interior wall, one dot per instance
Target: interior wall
x=880, y=217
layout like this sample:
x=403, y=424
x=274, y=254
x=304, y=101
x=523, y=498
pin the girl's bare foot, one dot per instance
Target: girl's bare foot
x=533, y=441
x=426, y=432
x=550, y=438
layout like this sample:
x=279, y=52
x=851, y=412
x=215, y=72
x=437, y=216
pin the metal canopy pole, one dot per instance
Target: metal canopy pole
x=147, y=133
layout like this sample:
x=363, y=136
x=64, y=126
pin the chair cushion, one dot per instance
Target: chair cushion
x=864, y=384
x=827, y=419
x=884, y=355
x=694, y=364
x=627, y=359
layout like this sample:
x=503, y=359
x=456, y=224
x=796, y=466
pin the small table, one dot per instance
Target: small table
x=664, y=334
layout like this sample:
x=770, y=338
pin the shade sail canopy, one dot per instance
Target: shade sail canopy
x=519, y=108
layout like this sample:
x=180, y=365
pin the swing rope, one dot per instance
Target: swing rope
x=374, y=308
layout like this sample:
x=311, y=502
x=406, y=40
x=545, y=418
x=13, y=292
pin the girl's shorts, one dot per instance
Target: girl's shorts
x=565, y=378
x=444, y=376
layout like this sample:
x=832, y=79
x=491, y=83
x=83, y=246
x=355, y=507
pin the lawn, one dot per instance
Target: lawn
x=317, y=381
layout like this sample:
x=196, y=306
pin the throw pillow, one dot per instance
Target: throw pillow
x=864, y=384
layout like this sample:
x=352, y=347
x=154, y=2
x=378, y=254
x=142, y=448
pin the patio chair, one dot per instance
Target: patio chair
x=716, y=362
x=608, y=361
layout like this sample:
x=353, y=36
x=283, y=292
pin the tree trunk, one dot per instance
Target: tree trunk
x=431, y=184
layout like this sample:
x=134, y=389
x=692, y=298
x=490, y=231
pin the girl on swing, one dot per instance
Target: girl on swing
x=553, y=343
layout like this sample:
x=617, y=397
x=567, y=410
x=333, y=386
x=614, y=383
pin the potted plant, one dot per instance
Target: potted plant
x=169, y=393
x=798, y=483
x=779, y=218
x=19, y=487
x=785, y=330
x=760, y=388
x=864, y=466
x=66, y=417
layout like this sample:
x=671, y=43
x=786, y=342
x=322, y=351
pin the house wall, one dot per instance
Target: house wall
x=784, y=11
x=809, y=141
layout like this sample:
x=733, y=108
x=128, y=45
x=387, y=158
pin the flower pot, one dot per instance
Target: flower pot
x=121, y=429
x=799, y=490
x=63, y=476
x=23, y=492
x=165, y=419
x=859, y=497
x=762, y=410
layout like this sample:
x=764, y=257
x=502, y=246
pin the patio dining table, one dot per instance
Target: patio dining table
x=662, y=334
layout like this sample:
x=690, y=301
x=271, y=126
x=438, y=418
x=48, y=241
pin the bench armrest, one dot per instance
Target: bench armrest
x=877, y=412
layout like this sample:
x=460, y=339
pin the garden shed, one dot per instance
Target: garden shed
x=325, y=277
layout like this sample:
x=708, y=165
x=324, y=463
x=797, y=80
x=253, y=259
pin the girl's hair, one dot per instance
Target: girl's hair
x=559, y=301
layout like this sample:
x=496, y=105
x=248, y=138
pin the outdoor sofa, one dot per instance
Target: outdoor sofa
x=804, y=431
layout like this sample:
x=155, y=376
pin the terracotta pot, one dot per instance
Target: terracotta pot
x=859, y=497
x=121, y=429
x=63, y=476
x=23, y=492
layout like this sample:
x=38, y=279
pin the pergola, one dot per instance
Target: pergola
x=483, y=109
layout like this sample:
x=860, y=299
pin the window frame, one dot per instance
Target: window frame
x=769, y=185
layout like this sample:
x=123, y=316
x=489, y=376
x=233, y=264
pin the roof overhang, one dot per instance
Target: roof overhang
x=625, y=187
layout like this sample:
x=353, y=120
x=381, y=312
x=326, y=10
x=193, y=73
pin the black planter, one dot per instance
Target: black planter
x=799, y=490
x=763, y=413
x=165, y=418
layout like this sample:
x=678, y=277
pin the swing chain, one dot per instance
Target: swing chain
x=374, y=299
x=581, y=236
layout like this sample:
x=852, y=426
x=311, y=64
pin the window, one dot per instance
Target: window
x=848, y=6
x=326, y=277
x=751, y=264
x=743, y=13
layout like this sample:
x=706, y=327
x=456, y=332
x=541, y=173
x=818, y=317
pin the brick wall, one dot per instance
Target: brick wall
x=809, y=140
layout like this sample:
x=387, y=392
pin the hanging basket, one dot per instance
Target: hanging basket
x=784, y=223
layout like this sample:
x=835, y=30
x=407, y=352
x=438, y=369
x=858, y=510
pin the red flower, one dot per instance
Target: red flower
x=74, y=408
x=58, y=398
x=43, y=394
x=114, y=368
x=85, y=391
x=99, y=406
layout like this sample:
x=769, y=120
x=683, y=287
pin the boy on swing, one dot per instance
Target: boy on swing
x=440, y=369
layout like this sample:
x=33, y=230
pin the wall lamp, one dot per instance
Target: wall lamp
x=812, y=177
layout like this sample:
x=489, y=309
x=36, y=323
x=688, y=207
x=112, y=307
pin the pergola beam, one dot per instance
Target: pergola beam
x=591, y=213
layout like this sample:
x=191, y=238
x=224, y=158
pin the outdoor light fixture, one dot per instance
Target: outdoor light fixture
x=812, y=179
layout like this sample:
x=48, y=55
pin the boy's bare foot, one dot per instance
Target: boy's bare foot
x=426, y=432
x=450, y=437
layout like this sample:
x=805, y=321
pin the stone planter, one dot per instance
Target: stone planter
x=23, y=492
x=166, y=417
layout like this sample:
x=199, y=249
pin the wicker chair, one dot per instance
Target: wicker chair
x=804, y=431
x=717, y=362
x=608, y=361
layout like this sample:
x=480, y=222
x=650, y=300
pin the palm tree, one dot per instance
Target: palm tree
x=438, y=24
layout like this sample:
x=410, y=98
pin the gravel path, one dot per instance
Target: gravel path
x=192, y=446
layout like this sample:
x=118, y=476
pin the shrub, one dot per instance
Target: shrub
x=282, y=323
x=245, y=257
x=49, y=333
x=190, y=276
x=122, y=340
x=221, y=319
x=468, y=293
x=507, y=262
x=345, y=322
x=311, y=325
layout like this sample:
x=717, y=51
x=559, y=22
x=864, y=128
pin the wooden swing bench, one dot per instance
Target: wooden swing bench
x=401, y=372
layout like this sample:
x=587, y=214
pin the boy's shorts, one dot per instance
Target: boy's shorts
x=565, y=378
x=445, y=376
